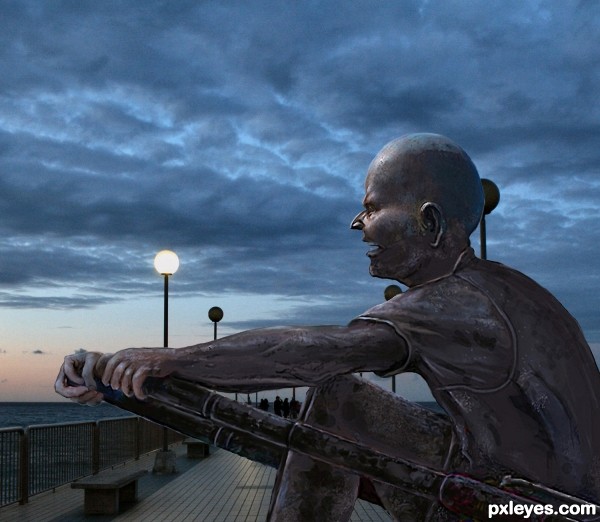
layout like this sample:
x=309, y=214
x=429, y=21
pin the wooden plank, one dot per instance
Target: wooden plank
x=204, y=487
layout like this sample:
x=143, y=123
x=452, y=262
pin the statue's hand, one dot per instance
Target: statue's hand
x=75, y=379
x=127, y=369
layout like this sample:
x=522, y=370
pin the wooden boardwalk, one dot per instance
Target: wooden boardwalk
x=220, y=488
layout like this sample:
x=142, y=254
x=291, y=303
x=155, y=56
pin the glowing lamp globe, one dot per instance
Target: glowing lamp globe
x=166, y=262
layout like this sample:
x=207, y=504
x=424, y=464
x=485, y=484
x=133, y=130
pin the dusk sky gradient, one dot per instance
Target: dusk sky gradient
x=238, y=134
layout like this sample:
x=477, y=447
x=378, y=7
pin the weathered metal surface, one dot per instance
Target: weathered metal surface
x=371, y=425
x=312, y=447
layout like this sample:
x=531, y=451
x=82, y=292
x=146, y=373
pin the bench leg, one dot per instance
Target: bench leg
x=128, y=493
x=197, y=450
x=101, y=501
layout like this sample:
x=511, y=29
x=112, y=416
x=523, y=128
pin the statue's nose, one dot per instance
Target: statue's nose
x=357, y=223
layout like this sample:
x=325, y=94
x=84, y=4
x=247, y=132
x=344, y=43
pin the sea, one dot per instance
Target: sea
x=23, y=414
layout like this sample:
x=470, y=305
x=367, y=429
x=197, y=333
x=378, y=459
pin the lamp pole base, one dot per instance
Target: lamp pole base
x=164, y=462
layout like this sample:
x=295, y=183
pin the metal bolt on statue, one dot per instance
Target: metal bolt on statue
x=504, y=359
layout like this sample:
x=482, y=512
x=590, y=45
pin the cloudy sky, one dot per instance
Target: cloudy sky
x=238, y=134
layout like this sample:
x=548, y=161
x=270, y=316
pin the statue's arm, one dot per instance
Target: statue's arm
x=302, y=356
x=263, y=359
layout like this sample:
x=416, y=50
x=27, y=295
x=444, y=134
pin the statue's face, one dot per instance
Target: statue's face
x=391, y=225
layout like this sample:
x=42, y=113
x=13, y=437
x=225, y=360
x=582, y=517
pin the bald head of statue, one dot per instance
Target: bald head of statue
x=423, y=199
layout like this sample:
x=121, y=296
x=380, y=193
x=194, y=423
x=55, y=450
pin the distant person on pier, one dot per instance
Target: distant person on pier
x=285, y=408
x=294, y=409
x=278, y=405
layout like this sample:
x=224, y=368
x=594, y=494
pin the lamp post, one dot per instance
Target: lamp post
x=215, y=314
x=391, y=291
x=166, y=264
x=491, y=195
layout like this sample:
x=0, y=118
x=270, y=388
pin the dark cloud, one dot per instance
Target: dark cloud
x=53, y=302
x=239, y=134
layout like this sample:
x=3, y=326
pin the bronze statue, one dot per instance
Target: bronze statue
x=505, y=360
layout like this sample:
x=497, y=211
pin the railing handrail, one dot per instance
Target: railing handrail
x=8, y=429
x=69, y=423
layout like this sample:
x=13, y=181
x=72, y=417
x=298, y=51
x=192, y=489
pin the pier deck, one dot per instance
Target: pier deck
x=220, y=488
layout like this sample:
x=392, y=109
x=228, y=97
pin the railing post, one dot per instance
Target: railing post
x=138, y=437
x=24, y=467
x=96, y=448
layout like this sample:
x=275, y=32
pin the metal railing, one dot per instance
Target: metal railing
x=43, y=457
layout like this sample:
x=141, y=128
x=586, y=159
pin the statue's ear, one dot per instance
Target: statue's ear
x=433, y=221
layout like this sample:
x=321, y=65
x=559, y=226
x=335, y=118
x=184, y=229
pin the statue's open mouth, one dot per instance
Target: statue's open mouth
x=374, y=250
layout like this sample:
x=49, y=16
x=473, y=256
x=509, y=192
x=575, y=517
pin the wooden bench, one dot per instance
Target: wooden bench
x=196, y=449
x=105, y=492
